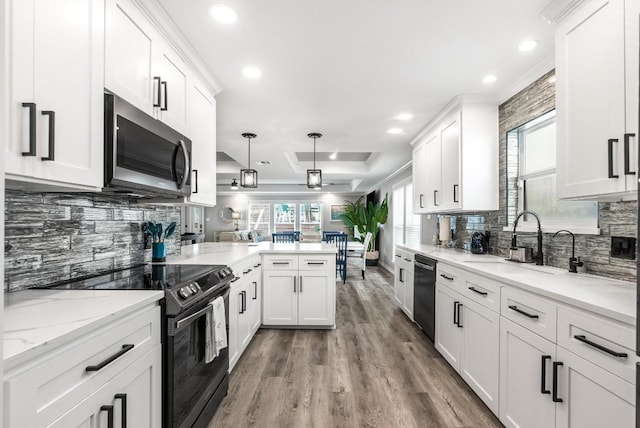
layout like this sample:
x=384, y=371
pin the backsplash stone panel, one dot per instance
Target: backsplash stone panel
x=52, y=237
x=614, y=218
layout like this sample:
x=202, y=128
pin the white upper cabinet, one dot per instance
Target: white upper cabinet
x=597, y=100
x=173, y=74
x=56, y=77
x=455, y=159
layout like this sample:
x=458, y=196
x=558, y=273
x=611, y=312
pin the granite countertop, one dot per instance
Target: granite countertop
x=36, y=321
x=609, y=297
x=229, y=253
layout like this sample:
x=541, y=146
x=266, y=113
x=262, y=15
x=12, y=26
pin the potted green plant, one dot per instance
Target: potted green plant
x=158, y=248
x=366, y=218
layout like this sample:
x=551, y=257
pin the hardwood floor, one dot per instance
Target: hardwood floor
x=376, y=369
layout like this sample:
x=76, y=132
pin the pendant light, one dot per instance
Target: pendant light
x=249, y=176
x=234, y=184
x=314, y=176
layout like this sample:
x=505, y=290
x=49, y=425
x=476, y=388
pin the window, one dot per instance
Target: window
x=259, y=218
x=310, y=221
x=531, y=179
x=285, y=217
x=406, y=224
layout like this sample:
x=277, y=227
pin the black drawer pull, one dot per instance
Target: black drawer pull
x=520, y=311
x=257, y=266
x=123, y=397
x=280, y=263
x=52, y=135
x=555, y=397
x=109, y=410
x=475, y=290
x=446, y=277
x=616, y=354
x=315, y=263
x=120, y=353
x=543, y=377
x=398, y=255
x=235, y=279
x=32, y=129
x=246, y=271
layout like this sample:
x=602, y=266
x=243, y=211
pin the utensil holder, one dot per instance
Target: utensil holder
x=158, y=252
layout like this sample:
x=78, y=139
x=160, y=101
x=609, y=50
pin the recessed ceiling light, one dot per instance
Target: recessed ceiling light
x=263, y=162
x=223, y=14
x=404, y=116
x=333, y=156
x=490, y=78
x=252, y=72
x=527, y=45
x=394, y=131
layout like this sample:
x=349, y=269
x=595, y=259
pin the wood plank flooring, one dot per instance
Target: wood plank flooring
x=376, y=369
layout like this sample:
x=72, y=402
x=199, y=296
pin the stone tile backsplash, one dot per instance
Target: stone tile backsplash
x=52, y=237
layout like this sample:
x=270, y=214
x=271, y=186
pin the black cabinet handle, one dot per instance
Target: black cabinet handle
x=398, y=255
x=421, y=196
x=52, y=134
x=435, y=198
x=455, y=193
x=610, y=157
x=555, y=397
x=195, y=173
x=109, y=410
x=156, y=101
x=120, y=353
x=315, y=263
x=123, y=397
x=627, y=170
x=244, y=301
x=520, y=311
x=455, y=312
x=301, y=283
x=280, y=263
x=257, y=266
x=475, y=290
x=32, y=129
x=459, y=323
x=294, y=284
x=543, y=376
x=616, y=354
x=401, y=279
x=255, y=290
x=235, y=279
x=446, y=277
x=246, y=271
x=166, y=96
x=241, y=295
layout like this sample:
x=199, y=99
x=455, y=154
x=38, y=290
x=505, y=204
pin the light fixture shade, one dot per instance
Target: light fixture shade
x=235, y=215
x=314, y=179
x=234, y=184
x=249, y=178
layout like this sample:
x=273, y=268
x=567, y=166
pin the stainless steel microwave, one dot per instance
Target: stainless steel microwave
x=143, y=155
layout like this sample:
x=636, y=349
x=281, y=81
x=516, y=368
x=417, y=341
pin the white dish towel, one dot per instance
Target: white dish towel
x=216, y=330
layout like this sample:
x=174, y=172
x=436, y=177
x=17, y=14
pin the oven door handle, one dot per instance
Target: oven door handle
x=192, y=318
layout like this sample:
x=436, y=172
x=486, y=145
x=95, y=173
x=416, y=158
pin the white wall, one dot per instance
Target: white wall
x=240, y=202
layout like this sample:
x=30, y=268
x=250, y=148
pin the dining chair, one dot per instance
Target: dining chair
x=340, y=241
x=330, y=232
x=283, y=238
x=359, y=259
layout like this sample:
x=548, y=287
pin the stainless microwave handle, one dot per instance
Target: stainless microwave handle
x=191, y=318
x=187, y=166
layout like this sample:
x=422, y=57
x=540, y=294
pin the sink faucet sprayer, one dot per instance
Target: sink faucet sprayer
x=573, y=261
x=538, y=257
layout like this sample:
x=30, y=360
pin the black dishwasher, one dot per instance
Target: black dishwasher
x=424, y=294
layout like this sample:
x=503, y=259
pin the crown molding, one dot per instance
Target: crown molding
x=399, y=171
x=533, y=74
x=557, y=10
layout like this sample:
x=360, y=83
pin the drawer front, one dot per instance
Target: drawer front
x=280, y=261
x=451, y=277
x=402, y=254
x=483, y=290
x=316, y=261
x=44, y=389
x=604, y=342
x=532, y=312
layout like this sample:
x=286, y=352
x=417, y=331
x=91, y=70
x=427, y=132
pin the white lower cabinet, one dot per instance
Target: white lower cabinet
x=468, y=335
x=245, y=307
x=299, y=290
x=403, y=281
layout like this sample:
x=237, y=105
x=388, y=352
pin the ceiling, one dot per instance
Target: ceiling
x=346, y=69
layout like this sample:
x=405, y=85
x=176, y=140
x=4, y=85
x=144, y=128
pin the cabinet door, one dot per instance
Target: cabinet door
x=139, y=386
x=480, y=358
x=62, y=55
x=255, y=301
x=173, y=74
x=632, y=63
x=398, y=279
x=316, y=298
x=244, y=316
x=450, y=146
x=130, y=43
x=202, y=131
x=590, y=99
x=448, y=336
x=234, y=314
x=280, y=305
x=407, y=303
x=592, y=397
x=432, y=175
x=522, y=354
x=419, y=179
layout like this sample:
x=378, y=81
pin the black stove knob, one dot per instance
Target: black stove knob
x=184, y=293
x=194, y=287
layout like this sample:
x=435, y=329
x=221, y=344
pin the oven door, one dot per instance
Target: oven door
x=142, y=153
x=190, y=381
